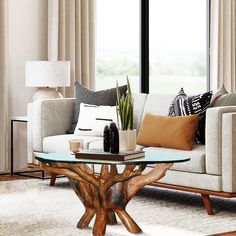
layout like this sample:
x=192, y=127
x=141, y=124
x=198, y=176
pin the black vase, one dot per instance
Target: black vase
x=106, y=139
x=114, y=138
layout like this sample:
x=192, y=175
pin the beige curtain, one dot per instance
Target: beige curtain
x=3, y=87
x=223, y=44
x=71, y=36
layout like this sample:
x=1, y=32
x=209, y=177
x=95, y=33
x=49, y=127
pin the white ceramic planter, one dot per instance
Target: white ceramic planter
x=127, y=140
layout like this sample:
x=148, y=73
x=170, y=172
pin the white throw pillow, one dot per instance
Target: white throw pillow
x=92, y=119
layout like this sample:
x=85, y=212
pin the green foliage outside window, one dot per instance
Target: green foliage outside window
x=186, y=65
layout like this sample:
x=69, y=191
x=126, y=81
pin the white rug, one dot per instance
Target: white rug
x=31, y=207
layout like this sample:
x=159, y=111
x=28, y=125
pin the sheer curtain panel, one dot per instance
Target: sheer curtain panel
x=71, y=36
x=222, y=43
x=3, y=87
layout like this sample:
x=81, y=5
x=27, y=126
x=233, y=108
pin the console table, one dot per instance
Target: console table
x=22, y=119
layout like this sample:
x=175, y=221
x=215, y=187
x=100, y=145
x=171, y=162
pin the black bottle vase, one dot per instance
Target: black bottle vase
x=114, y=138
x=106, y=139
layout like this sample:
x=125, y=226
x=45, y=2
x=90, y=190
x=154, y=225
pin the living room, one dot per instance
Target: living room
x=150, y=78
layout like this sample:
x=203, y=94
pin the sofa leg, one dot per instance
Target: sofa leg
x=53, y=179
x=207, y=203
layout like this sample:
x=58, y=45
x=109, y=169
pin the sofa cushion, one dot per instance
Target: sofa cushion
x=98, y=144
x=197, y=158
x=170, y=132
x=157, y=104
x=217, y=95
x=139, y=102
x=223, y=98
x=104, y=97
x=183, y=105
x=193, y=180
x=93, y=119
x=60, y=143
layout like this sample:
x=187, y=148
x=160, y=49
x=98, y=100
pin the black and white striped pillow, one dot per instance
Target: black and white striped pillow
x=93, y=119
x=183, y=105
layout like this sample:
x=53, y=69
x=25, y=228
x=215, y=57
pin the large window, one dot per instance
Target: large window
x=117, y=43
x=177, y=44
x=177, y=36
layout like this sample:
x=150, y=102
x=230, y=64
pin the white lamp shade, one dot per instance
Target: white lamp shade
x=47, y=74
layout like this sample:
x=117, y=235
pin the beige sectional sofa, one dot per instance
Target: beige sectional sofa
x=211, y=170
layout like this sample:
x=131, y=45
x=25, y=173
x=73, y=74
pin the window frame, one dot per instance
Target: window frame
x=144, y=45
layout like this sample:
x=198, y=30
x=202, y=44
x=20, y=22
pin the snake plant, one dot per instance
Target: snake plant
x=125, y=107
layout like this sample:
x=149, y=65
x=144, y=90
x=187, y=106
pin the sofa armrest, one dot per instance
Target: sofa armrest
x=229, y=152
x=214, y=138
x=50, y=117
x=30, y=133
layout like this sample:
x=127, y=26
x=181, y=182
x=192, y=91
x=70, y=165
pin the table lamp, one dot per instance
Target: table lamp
x=47, y=75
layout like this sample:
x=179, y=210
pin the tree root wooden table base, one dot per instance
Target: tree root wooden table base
x=106, y=195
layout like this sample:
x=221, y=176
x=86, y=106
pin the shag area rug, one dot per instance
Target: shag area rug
x=32, y=207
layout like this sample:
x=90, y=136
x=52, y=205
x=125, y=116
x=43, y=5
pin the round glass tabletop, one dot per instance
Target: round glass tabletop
x=150, y=158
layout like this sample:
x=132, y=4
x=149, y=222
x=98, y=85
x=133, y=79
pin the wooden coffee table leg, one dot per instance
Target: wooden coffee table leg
x=128, y=222
x=86, y=218
x=111, y=218
x=53, y=179
x=100, y=224
x=108, y=192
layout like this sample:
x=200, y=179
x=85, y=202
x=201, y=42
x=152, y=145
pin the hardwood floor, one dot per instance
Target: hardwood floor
x=7, y=177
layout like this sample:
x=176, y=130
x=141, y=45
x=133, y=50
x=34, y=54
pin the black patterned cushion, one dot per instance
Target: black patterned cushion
x=184, y=105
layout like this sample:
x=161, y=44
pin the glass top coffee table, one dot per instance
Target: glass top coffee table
x=107, y=193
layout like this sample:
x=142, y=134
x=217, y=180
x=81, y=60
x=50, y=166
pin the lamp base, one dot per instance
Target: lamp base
x=46, y=93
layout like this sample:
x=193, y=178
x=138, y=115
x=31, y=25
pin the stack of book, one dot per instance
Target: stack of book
x=97, y=154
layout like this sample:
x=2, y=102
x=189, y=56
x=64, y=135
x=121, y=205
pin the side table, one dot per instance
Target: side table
x=28, y=170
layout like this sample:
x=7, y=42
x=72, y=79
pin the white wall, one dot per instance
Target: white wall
x=27, y=40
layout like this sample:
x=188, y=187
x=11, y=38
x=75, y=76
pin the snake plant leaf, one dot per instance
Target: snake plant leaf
x=125, y=107
x=128, y=85
x=121, y=111
x=117, y=114
x=125, y=111
x=132, y=115
x=128, y=120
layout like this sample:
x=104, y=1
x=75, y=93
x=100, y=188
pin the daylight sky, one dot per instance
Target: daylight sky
x=173, y=24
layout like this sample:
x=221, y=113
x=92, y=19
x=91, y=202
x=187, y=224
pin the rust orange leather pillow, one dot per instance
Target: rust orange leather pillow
x=169, y=132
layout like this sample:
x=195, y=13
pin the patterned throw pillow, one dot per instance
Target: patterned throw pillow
x=184, y=105
x=218, y=95
x=92, y=119
x=106, y=97
x=223, y=98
